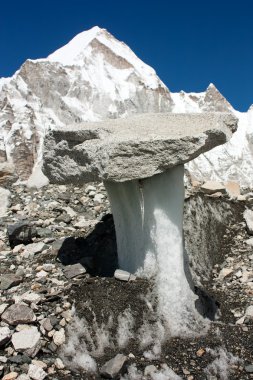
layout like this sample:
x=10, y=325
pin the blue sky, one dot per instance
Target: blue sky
x=189, y=43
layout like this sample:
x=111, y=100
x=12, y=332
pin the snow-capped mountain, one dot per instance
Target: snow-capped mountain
x=229, y=162
x=91, y=78
x=97, y=77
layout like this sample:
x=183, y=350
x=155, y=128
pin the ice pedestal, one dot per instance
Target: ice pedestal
x=140, y=159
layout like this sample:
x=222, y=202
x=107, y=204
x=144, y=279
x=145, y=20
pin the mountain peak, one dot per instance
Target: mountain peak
x=214, y=101
x=69, y=54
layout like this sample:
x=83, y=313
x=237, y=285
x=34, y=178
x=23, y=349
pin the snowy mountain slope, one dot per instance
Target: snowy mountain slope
x=232, y=161
x=96, y=77
x=91, y=78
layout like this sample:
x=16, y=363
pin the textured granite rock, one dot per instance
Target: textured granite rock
x=18, y=313
x=133, y=148
x=27, y=341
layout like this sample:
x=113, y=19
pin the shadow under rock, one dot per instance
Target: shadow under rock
x=97, y=252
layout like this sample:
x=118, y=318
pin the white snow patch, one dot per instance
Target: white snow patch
x=222, y=364
x=37, y=179
x=125, y=328
x=69, y=54
x=164, y=373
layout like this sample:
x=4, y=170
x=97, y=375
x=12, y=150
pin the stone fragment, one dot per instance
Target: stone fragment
x=59, y=364
x=34, y=248
x=10, y=376
x=123, y=275
x=71, y=271
x=249, y=368
x=216, y=195
x=46, y=323
x=41, y=274
x=7, y=173
x=225, y=272
x=31, y=297
x=67, y=315
x=249, y=312
x=5, y=335
x=3, y=307
x=249, y=242
x=84, y=200
x=241, y=198
x=211, y=187
x=59, y=337
x=7, y=281
x=248, y=217
x=27, y=341
x=233, y=188
x=201, y=351
x=69, y=211
x=23, y=376
x=82, y=222
x=20, y=233
x=240, y=321
x=3, y=359
x=115, y=366
x=57, y=245
x=52, y=347
x=18, y=248
x=36, y=373
x=21, y=272
x=5, y=201
x=90, y=188
x=98, y=199
x=39, y=363
x=48, y=267
x=18, y=313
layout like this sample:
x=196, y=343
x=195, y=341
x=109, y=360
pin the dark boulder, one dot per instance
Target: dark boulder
x=20, y=233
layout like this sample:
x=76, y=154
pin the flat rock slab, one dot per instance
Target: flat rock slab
x=138, y=147
x=71, y=271
x=27, y=341
x=212, y=187
x=7, y=281
x=35, y=248
x=18, y=313
x=114, y=367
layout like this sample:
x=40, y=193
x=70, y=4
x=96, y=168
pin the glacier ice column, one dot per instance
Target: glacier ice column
x=136, y=206
x=148, y=217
